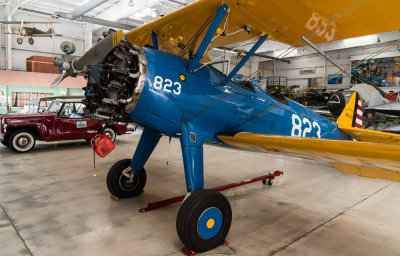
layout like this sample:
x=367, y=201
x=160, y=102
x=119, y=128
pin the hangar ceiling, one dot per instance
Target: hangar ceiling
x=132, y=13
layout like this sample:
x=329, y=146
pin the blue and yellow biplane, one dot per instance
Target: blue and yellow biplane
x=158, y=76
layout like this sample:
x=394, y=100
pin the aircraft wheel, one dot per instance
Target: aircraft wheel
x=269, y=182
x=204, y=220
x=19, y=41
x=31, y=41
x=22, y=141
x=123, y=182
x=110, y=133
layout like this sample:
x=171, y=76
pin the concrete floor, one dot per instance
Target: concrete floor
x=51, y=204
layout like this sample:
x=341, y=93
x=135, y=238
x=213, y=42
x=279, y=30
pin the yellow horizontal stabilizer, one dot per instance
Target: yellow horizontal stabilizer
x=371, y=136
x=363, y=154
x=285, y=21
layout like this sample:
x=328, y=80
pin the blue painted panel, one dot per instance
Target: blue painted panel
x=148, y=119
x=204, y=106
x=212, y=107
x=164, y=93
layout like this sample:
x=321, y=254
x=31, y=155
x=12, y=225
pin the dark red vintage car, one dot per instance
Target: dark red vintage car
x=64, y=119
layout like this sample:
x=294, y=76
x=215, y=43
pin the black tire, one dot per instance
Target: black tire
x=19, y=40
x=121, y=186
x=110, y=132
x=22, y=141
x=31, y=41
x=269, y=182
x=193, y=231
x=5, y=143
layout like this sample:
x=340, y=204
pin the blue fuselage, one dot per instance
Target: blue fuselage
x=172, y=97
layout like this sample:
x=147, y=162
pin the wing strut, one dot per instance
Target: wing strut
x=245, y=58
x=208, y=37
x=154, y=40
x=324, y=55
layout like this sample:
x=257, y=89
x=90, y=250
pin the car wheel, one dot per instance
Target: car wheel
x=110, y=133
x=5, y=143
x=22, y=141
x=123, y=182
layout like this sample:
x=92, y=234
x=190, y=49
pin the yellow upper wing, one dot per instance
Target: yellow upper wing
x=284, y=20
x=366, y=159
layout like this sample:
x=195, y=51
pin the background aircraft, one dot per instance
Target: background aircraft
x=153, y=76
x=24, y=30
x=380, y=108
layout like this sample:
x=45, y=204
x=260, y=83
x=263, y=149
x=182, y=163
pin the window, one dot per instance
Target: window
x=54, y=106
x=21, y=99
x=72, y=110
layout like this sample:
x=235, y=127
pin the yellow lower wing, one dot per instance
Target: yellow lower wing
x=367, y=159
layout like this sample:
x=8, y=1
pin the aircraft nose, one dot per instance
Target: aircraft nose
x=115, y=86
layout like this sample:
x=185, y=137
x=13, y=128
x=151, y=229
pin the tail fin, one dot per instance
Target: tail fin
x=352, y=113
x=376, y=99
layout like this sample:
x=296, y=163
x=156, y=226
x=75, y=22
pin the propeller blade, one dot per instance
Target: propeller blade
x=58, y=80
x=93, y=56
x=99, y=51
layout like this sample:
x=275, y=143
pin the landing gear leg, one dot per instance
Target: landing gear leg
x=127, y=178
x=205, y=217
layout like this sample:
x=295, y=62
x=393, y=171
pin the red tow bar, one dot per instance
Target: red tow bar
x=264, y=179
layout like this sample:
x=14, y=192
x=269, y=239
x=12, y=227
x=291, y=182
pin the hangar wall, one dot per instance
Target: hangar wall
x=6, y=102
x=43, y=46
x=33, y=82
x=340, y=51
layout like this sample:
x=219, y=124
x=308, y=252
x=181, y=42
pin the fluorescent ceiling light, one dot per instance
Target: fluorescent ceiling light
x=359, y=41
x=146, y=12
x=84, y=2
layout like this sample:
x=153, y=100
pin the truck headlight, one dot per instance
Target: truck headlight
x=3, y=121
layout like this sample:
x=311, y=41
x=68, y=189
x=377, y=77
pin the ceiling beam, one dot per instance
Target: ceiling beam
x=178, y=2
x=86, y=8
x=122, y=9
x=86, y=19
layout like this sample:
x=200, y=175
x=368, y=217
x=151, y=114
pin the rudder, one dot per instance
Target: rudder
x=352, y=113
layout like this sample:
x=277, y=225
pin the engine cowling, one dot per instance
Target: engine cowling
x=115, y=85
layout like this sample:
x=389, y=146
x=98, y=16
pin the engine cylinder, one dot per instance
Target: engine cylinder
x=115, y=85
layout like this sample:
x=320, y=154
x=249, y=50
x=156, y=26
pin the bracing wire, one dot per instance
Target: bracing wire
x=311, y=34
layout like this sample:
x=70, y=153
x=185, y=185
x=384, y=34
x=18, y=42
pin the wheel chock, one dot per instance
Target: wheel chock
x=188, y=252
x=116, y=198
